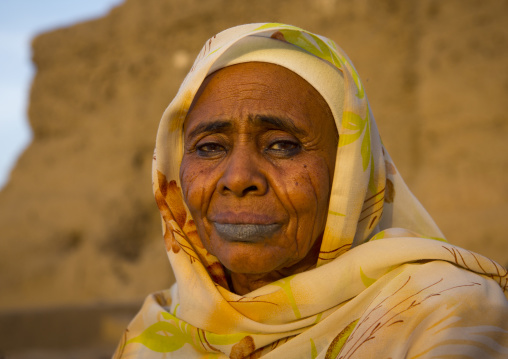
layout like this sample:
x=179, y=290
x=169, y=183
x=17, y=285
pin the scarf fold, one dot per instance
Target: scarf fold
x=387, y=284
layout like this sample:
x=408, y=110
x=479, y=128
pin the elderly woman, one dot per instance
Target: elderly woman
x=289, y=229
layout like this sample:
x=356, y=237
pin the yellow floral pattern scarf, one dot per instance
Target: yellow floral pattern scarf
x=386, y=285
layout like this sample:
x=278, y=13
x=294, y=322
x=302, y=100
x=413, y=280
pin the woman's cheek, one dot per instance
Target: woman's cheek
x=184, y=180
x=190, y=177
x=312, y=181
x=193, y=197
x=314, y=192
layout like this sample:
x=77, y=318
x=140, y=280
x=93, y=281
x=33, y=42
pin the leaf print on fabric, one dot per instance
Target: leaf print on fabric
x=334, y=253
x=389, y=191
x=438, y=239
x=313, y=350
x=274, y=25
x=162, y=299
x=225, y=339
x=338, y=342
x=390, y=168
x=208, y=46
x=313, y=44
x=173, y=197
x=366, y=151
x=387, y=314
x=168, y=219
x=286, y=287
x=277, y=35
x=164, y=337
x=243, y=348
x=379, y=235
x=205, y=52
x=171, y=206
x=336, y=213
x=356, y=78
x=170, y=241
x=372, y=205
x=171, y=334
x=306, y=41
x=353, y=122
x=367, y=281
x=372, y=183
x=479, y=264
x=217, y=274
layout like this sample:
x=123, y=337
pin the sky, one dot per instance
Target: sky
x=20, y=21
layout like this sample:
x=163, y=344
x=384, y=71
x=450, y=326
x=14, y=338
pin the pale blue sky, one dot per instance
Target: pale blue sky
x=20, y=20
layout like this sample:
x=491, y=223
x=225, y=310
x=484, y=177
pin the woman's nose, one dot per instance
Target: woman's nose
x=243, y=175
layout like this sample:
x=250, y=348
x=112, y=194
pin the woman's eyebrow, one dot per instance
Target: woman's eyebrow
x=213, y=126
x=283, y=123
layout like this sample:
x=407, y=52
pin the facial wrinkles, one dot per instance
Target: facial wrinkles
x=298, y=185
x=245, y=138
x=295, y=234
x=314, y=212
x=189, y=178
x=284, y=197
x=314, y=188
x=257, y=94
x=204, y=194
x=204, y=199
x=242, y=140
x=281, y=194
x=238, y=97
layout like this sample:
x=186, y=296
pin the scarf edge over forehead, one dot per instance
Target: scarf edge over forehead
x=368, y=194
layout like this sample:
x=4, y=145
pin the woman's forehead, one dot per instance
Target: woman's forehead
x=254, y=91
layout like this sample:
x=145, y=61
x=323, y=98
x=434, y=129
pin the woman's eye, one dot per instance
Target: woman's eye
x=285, y=148
x=210, y=149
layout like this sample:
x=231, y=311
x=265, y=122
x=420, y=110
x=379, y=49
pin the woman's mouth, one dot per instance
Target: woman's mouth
x=245, y=232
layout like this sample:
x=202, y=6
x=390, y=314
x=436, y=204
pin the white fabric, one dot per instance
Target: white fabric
x=387, y=285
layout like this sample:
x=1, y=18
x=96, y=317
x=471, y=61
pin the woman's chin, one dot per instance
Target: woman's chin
x=250, y=259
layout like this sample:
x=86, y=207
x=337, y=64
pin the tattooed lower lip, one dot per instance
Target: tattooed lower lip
x=245, y=232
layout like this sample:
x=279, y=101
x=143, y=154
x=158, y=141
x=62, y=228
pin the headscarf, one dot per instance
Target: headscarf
x=386, y=284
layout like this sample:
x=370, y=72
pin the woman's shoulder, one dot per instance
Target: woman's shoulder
x=437, y=308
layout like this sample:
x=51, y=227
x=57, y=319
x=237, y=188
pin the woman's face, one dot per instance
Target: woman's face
x=260, y=147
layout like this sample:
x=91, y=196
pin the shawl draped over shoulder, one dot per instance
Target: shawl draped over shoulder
x=386, y=284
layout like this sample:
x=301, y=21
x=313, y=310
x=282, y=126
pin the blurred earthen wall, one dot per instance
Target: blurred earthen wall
x=79, y=225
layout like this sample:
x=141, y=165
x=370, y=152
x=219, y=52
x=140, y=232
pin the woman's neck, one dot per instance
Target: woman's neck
x=243, y=283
